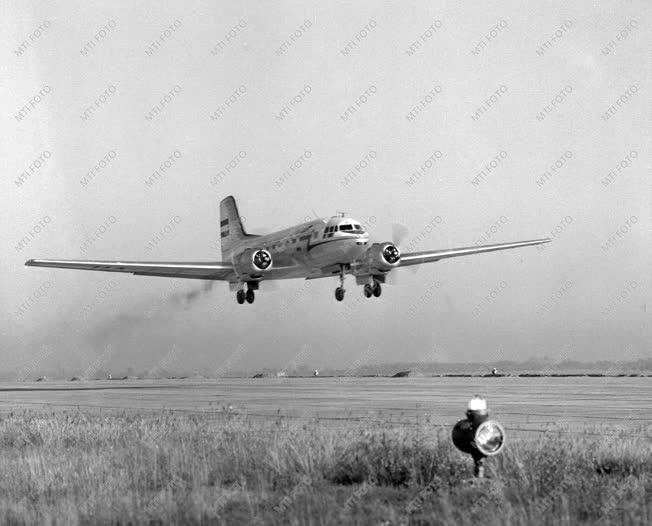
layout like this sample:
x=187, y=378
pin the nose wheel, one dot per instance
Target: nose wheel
x=240, y=296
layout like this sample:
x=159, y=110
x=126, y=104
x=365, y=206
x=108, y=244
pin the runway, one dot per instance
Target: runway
x=522, y=404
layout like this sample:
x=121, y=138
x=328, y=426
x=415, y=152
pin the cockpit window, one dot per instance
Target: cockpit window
x=346, y=227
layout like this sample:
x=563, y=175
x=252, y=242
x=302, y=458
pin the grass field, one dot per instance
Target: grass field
x=69, y=467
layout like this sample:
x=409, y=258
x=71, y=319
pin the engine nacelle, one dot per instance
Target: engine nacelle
x=382, y=256
x=254, y=261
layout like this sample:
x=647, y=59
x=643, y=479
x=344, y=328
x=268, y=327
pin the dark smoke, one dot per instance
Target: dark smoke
x=112, y=327
x=187, y=298
x=136, y=330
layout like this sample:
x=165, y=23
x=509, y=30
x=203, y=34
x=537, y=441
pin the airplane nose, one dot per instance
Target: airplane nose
x=362, y=239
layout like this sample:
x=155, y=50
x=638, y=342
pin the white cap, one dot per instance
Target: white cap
x=477, y=403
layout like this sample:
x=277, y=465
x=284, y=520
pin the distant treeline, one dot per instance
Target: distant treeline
x=531, y=367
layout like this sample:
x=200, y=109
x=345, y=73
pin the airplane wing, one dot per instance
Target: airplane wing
x=212, y=270
x=416, y=258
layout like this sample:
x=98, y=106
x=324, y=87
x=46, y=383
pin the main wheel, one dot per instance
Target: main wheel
x=377, y=289
x=251, y=296
x=240, y=296
x=368, y=290
x=339, y=293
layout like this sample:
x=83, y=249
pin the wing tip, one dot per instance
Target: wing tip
x=30, y=262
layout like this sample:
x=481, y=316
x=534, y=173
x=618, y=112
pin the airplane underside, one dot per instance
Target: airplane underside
x=371, y=283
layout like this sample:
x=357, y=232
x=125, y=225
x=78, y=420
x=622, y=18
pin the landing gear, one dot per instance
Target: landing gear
x=339, y=291
x=377, y=289
x=250, y=296
x=372, y=289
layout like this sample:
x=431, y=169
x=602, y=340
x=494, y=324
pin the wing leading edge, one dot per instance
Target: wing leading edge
x=212, y=270
x=416, y=258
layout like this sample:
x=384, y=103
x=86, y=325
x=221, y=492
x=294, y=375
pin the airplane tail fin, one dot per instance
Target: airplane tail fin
x=231, y=230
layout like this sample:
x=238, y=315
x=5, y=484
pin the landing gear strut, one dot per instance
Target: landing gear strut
x=339, y=291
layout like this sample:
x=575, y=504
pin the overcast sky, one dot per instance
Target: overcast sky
x=98, y=95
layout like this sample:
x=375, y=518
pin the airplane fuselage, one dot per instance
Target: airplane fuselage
x=305, y=250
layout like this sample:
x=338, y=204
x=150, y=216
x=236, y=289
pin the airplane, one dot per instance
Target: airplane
x=325, y=247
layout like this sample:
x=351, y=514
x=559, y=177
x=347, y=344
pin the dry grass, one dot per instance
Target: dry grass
x=71, y=468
